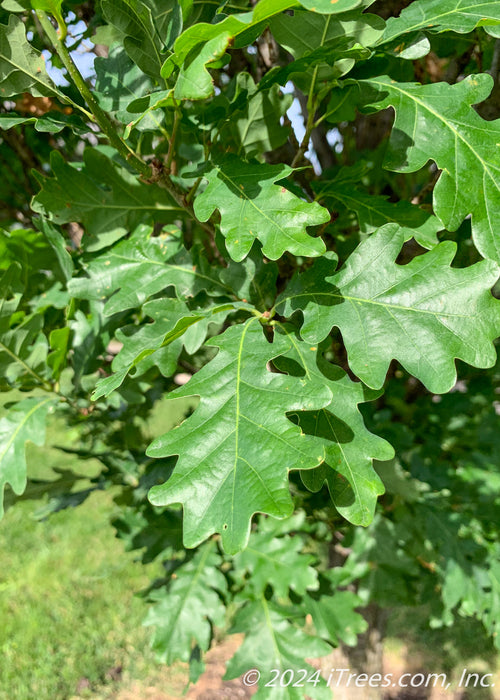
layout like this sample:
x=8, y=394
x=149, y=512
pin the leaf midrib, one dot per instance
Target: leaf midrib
x=237, y=419
x=330, y=295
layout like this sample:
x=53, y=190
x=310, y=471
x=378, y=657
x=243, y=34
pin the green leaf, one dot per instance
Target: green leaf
x=278, y=562
x=202, y=44
x=24, y=421
x=255, y=124
x=410, y=48
x=341, y=59
x=328, y=7
x=159, y=343
x=349, y=447
x=22, y=69
x=56, y=242
x=460, y=16
x=56, y=360
x=303, y=32
x=314, y=38
x=423, y=314
x=54, y=7
x=237, y=448
x=149, y=337
x=134, y=20
x=194, y=82
x=253, y=279
x=168, y=19
x=184, y=611
x=374, y=211
x=49, y=123
x=252, y=206
x=34, y=252
x=105, y=198
x=335, y=618
x=273, y=641
x=141, y=266
x=147, y=108
x=118, y=82
x=23, y=347
x=435, y=122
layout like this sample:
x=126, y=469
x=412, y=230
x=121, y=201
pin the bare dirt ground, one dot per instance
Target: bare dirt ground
x=210, y=686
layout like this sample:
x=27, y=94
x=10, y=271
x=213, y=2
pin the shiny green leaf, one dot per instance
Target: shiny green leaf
x=252, y=206
x=423, y=314
x=460, y=16
x=435, y=122
x=237, y=448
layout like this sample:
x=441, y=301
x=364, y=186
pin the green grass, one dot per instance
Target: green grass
x=69, y=616
x=67, y=605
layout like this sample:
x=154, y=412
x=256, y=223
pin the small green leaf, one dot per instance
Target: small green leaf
x=194, y=82
x=374, y=211
x=274, y=641
x=159, y=343
x=253, y=279
x=202, y=44
x=424, y=314
x=23, y=347
x=54, y=7
x=254, y=118
x=118, y=82
x=316, y=39
x=56, y=360
x=335, y=618
x=133, y=19
x=49, y=123
x=330, y=7
x=278, y=562
x=184, y=612
x=56, y=242
x=252, y=206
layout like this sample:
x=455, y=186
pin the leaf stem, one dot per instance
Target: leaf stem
x=312, y=105
x=171, y=144
x=98, y=114
x=193, y=189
